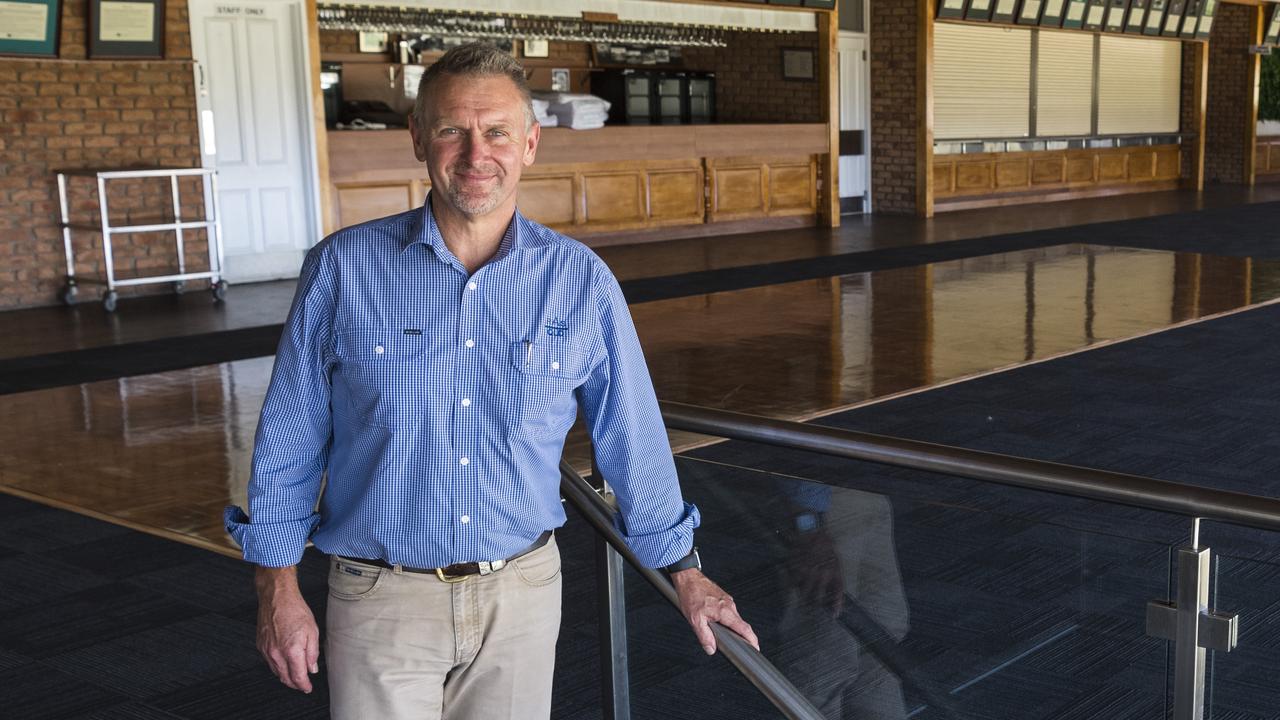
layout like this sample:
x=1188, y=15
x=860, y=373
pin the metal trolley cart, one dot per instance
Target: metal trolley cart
x=212, y=224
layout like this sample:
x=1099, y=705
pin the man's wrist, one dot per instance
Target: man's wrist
x=692, y=561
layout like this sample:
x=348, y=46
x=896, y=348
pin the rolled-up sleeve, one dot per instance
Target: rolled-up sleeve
x=295, y=428
x=630, y=440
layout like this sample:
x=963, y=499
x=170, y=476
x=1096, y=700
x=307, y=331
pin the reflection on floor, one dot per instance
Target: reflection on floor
x=166, y=452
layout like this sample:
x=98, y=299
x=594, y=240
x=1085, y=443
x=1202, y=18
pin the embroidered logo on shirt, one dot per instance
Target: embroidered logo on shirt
x=556, y=327
x=412, y=331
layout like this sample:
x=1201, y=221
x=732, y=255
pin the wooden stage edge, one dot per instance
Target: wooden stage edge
x=114, y=520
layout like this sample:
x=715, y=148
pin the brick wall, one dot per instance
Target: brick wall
x=1231, y=94
x=894, y=120
x=1187, y=108
x=74, y=112
x=749, y=83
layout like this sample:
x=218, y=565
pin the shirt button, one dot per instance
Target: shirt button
x=465, y=519
x=466, y=402
x=378, y=349
x=471, y=285
x=555, y=366
x=465, y=461
x=471, y=343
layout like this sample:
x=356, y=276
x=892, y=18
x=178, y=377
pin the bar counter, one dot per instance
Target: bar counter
x=633, y=180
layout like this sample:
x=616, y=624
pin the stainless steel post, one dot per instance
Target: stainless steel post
x=615, y=674
x=1192, y=627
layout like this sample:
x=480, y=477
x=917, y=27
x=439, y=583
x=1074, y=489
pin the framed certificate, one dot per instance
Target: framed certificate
x=126, y=28
x=30, y=27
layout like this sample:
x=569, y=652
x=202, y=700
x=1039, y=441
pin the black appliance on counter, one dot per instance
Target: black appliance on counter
x=630, y=95
x=331, y=87
x=644, y=97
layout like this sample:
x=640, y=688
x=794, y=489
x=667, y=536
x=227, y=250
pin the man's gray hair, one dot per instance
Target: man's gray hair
x=478, y=59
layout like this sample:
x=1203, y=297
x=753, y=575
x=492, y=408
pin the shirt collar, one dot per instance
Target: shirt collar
x=425, y=231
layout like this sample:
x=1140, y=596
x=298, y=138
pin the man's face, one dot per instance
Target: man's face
x=475, y=142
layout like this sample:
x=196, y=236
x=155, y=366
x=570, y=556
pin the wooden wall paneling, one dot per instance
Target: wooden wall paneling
x=737, y=188
x=1273, y=157
x=1014, y=173
x=1111, y=167
x=793, y=188
x=944, y=176
x=1082, y=167
x=614, y=198
x=1168, y=163
x=1050, y=170
x=676, y=195
x=551, y=196
x=975, y=177
x=358, y=203
x=1005, y=177
x=1140, y=164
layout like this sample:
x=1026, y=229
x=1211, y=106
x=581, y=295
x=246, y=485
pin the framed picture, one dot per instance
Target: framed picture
x=126, y=29
x=30, y=27
x=797, y=64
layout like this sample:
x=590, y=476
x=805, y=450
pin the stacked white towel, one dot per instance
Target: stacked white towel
x=540, y=113
x=577, y=111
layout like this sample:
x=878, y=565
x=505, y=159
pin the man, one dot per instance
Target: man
x=432, y=363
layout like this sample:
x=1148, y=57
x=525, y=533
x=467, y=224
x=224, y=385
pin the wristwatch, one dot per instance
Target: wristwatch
x=688, y=561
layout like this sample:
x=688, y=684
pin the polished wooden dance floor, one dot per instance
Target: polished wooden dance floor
x=166, y=452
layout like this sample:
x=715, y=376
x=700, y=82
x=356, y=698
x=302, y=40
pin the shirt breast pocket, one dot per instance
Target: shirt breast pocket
x=548, y=373
x=382, y=371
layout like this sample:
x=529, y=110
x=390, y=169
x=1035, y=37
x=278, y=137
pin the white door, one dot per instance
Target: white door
x=855, y=140
x=255, y=128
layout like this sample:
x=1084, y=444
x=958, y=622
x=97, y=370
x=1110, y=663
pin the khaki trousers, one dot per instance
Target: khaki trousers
x=406, y=646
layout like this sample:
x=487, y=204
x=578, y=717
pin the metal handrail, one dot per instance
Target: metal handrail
x=1133, y=490
x=753, y=666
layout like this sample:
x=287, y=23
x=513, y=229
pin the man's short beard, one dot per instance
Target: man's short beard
x=470, y=205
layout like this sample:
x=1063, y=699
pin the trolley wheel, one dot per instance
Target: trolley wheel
x=179, y=288
x=68, y=294
x=109, y=299
x=220, y=291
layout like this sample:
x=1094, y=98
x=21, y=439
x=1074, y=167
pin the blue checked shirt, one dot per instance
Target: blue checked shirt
x=439, y=403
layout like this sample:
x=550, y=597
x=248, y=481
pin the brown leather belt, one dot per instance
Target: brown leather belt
x=457, y=572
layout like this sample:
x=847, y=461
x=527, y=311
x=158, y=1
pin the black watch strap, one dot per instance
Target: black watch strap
x=692, y=560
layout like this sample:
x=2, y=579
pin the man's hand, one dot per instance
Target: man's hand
x=287, y=634
x=703, y=602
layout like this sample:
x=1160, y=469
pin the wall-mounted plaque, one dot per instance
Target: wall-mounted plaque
x=951, y=9
x=1137, y=16
x=1207, y=10
x=1173, y=18
x=1095, y=15
x=30, y=27
x=1029, y=13
x=1190, y=16
x=978, y=10
x=1004, y=11
x=1116, y=11
x=1156, y=10
x=1051, y=16
x=1074, y=18
x=126, y=28
x=797, y=64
